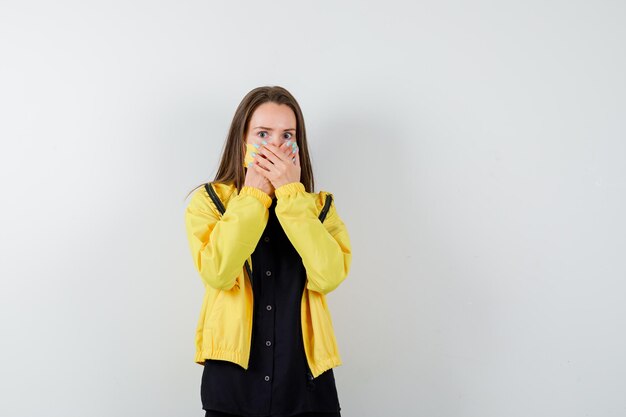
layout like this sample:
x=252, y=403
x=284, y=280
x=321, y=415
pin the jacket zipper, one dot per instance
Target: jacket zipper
x=329, y=199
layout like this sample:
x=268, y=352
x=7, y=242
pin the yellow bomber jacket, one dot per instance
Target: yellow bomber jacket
x=221, y=244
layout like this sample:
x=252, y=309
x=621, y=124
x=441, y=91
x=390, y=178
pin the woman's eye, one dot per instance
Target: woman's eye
x=288, y=137
x=263, y=131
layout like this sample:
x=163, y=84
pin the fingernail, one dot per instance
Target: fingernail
x=264, y=142
x=252, y=153
x=250, y=164
x=256, y=145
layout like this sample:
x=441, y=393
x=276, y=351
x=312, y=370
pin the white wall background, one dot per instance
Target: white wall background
x=476, y=151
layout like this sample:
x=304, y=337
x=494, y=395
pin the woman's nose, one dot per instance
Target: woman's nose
x=276, y=140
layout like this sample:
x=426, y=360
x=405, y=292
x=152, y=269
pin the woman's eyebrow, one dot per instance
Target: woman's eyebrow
x=269, y=128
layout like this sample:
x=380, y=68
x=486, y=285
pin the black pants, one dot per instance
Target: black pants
x=213, y=413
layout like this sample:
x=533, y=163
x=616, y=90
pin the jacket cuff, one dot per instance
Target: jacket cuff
x=261, y=195
x=288, y=189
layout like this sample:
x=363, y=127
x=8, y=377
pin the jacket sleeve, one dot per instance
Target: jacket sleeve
x=220, y=246
x=324, y=247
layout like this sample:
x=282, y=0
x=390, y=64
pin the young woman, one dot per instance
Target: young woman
x=268, y=253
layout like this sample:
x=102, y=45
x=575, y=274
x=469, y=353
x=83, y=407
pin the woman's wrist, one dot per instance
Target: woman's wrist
x=289, y=189
x=261, y=195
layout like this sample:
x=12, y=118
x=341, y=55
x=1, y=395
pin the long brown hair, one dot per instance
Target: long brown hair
x=231, y=168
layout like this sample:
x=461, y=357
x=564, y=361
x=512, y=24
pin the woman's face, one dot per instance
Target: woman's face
x=275, y=123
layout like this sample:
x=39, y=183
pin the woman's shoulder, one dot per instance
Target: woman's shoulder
x=201, y=198
x=322, y=195
x=224, y=189
x=324, y=199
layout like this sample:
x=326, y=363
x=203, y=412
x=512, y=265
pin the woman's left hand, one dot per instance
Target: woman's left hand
x=278, y=165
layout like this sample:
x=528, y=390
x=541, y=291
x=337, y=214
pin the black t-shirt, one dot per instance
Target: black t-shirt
x=278, y=381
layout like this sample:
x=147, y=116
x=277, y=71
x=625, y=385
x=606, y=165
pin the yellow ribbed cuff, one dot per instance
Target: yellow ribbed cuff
x=265, y=199
x=289, y=189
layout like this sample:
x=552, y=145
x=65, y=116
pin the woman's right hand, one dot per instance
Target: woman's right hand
x=256, y=179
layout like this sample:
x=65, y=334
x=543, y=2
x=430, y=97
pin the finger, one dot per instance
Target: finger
x=293, y=148
x=285, y=148
x=263, y=163
x=258, y=145
x=258, y=142
x=272, y=155
x=294, y=153
x=258, y=168
x=289, y=149
x=276, y=151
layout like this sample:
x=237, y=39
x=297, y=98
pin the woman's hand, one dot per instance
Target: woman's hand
x=255, y=179
x=276, y=163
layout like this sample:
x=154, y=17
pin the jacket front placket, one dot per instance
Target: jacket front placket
x=263, y=335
